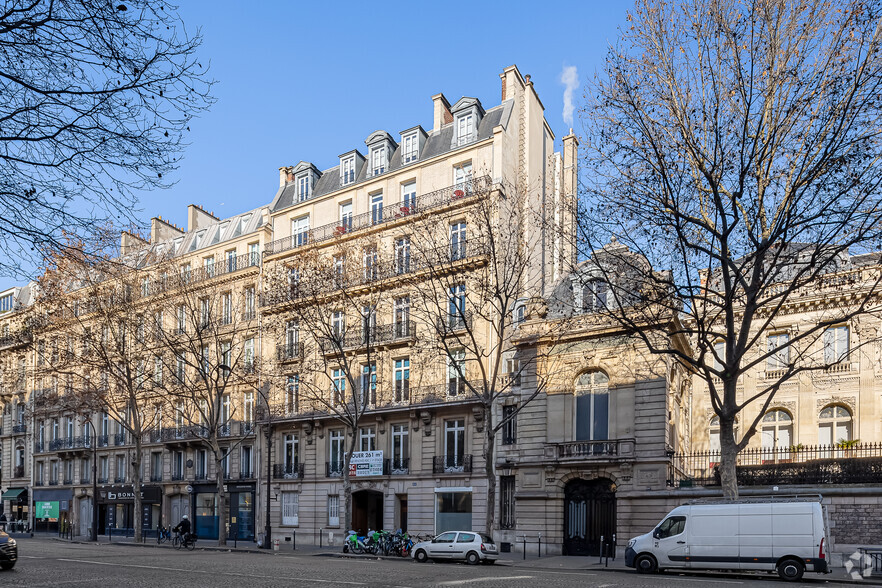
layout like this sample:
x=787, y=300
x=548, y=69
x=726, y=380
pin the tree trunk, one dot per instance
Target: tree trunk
x=728, y=455
x=221, y=499
x=347, y=487
x=136, y=490
x=490, y=469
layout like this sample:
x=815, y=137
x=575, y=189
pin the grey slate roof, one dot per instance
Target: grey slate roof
x=436, y=144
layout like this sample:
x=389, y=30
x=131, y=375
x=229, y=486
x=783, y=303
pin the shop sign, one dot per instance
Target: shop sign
x=47, y=510
x=366, y=463
x=123, y=494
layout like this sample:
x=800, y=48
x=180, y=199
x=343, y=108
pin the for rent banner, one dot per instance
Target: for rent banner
x=366, y=463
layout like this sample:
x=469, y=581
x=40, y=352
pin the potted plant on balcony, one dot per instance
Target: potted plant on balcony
x=847, y=446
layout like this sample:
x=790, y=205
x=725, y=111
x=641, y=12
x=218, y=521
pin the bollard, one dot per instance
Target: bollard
x=294, y=540
x=320, y=538
x=614, y=547
x=525, y=546
x=601, y=551
x=540, y=544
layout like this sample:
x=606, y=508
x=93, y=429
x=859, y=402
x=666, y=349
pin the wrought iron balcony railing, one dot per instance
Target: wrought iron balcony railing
x=18, y=472
x=21, y=428
x=333, y=469
x=422, y=203
x=289, y=351
x=452, y=464
x=290, y=471
x=396, y=466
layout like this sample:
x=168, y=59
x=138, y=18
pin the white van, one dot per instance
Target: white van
x=782, y=535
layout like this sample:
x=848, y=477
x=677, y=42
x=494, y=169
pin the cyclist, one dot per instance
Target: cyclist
x=183, y=528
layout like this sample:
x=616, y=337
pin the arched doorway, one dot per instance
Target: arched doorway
x=367, y=510
x=589, y=514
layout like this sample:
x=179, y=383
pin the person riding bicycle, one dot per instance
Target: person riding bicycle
x=183, y=528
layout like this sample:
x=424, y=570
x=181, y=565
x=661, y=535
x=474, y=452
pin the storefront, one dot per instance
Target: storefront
x=14, y=504
x=116, y=508
x=240, y=520
x=52, y=509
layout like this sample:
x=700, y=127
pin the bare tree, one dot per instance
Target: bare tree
x=338, y=294
x=92, y=345
x=97, y=97
x=207, y=348
x=733, y=153
x=477, y=284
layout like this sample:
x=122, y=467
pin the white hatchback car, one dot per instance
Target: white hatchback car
x=457, y=545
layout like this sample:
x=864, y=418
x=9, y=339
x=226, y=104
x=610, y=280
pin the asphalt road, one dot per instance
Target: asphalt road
x=45, y=562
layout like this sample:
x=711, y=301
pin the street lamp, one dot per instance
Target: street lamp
x=93, y=441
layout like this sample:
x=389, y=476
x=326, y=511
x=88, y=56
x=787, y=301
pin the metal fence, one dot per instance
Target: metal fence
x=815, y=464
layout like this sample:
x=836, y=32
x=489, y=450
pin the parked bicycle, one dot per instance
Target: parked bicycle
x=163, y=534
x=186, y=541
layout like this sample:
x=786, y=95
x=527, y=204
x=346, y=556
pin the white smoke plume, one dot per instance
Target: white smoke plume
x=569, y=77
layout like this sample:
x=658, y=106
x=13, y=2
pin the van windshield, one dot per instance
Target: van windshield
x=670, y=526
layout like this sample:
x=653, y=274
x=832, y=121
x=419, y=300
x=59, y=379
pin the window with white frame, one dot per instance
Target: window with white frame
x=338, y=323
x=333, y=511
x=719, y=354
x=509, y=424
x=339, y=270
x=250, y=297
x=338, y=377
x=835, y=341
x=225, y=465
x=249, y=354
x=230, y=255
x=400, y=448
x=294, y=279
x=456, y=310
x=402, y=255
x=201, y=464
x=204, y=312
x=401, y=316
x=779, y=351
x=462, y=176
x=300, y=231
x=519, y=313
x=178, y=466
x=402, y=379
x=411, y=150
x=291, y=453
x=370, y=263
x=777, y=430
x=834, y=425
x=454, y=444
x=246, y=465
x=208, y=266
x=303, y=187
x=465, y=128
x=368, y=396
x=376, y=208
x=408, y=198
x=292, y=394
x=253, y=254
x=378, y=160
x=248, y=408
x=457, y=241
x=367, y=439
x=182, y=319
x=347, y=170
x=292, y=339
x=593, y=296
x=335, y=441
x=456, y=372
x=345, y=218
x=592, y=407
x=290, y=507
x=180, y=368
x=227, y=308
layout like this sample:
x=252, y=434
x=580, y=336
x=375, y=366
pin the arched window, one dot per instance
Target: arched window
x=592, y=407
x=777, y=430
x=834, y=425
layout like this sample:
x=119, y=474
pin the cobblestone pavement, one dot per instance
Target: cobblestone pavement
x=46, y=562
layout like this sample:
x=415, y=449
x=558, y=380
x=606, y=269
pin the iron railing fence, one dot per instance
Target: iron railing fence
x=844, y=463
x=422, y=203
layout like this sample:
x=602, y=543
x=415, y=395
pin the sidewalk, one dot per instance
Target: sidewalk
x=515, y=560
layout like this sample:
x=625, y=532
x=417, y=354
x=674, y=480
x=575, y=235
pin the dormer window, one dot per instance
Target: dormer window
x=411, y=151
x=347, y=170
x=303, y=188
x=378, y=160
x=465, y=129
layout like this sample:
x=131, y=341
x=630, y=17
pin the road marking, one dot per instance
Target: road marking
x=487, y=579
x=212, y=572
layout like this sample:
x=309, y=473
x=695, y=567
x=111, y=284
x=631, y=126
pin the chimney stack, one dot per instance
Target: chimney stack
x=441, y=113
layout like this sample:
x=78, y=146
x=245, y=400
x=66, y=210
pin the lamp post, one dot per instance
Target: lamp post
x=93, y=441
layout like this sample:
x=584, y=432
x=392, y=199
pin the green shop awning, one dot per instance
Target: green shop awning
x=13, y=493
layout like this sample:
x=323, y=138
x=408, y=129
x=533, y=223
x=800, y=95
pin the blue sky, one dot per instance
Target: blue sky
x=309, y=81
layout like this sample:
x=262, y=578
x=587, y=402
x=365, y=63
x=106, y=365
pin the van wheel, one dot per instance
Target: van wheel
x=646, y=564
x=791, y=570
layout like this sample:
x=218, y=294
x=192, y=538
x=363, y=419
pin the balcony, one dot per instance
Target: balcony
x=291, y=471
x=587, y=450
x=333, y=470
x=246, y=475
x=422, y=203
x=39, y=446
x=38, y=482
x=453, y=323
x=67, y=482
x=103, y=440
x=286, y=351
x=452, y=464
x=177, y=477
x=156, y=477
x=396, y=467
x=200, y=476
x=86, y=480
x=19, y=429
x=844, y=463
x=200, y=274
x=18, y=340
x=119, y=480
x=119, y=439
x=103, y=479
x=185, y=433
x=18, y=472
x=53, y=482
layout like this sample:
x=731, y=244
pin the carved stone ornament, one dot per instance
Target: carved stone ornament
x=848, y=401
x=786, y=405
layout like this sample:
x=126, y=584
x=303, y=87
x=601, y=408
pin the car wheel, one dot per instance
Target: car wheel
x=421, y=556
x=7, y=565
x=646, y=564
x=473, y=558
x=791, y=570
